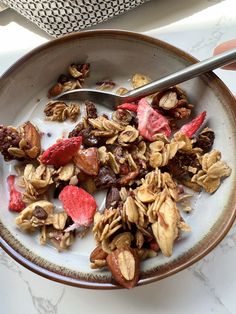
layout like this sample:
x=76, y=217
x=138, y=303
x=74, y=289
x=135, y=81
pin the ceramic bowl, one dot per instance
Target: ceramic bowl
x=117, y=55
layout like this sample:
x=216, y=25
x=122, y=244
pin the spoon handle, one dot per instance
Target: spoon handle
x=183, y=75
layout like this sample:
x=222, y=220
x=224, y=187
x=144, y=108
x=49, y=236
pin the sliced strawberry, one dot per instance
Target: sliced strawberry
x=150, y=122
x=15, y=203
x=128, y=106
x=79, y=205
x=189, y=129
x=62, y=152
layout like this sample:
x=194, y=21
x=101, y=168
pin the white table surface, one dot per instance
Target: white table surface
x=208, y=286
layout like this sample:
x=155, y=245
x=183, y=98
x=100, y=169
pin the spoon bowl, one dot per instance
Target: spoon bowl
x=112, y=100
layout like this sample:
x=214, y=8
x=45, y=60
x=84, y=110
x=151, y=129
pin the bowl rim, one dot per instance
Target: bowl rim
x=155, y=274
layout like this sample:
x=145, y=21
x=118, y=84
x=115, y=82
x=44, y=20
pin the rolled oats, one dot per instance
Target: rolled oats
x=60, y=111
x=143, y=177
x=213, y=170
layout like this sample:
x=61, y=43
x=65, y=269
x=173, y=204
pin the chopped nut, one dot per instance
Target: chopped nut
x=87, y=160
x=121, y=91
x=105, y=84
x=139, y=80
x=31, y=136
x=98, y=254
x=168, y=100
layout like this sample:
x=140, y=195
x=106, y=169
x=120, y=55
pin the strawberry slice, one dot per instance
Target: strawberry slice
x=62, y=152
x=79, y=205
x=150, y=122
x=189, y=129
x=128, y=106
x=15, y=203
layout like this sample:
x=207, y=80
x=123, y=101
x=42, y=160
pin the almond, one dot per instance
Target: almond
x=32, y=137
x=87, y=160
x=124, y=266
x=98, y=254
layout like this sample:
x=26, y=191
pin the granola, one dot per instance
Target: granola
x=138, y=154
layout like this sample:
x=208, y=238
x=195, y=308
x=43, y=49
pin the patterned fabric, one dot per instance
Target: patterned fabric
x=59, y=17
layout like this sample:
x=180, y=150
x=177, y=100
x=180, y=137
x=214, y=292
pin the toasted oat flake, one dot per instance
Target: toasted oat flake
x=144, y=177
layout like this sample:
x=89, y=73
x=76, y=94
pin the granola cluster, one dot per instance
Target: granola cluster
x=140, y=155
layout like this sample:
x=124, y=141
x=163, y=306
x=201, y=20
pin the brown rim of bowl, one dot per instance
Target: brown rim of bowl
x=206, y=245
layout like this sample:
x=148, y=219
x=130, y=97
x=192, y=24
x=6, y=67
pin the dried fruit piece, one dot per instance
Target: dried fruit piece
x=205, y=140
x=150, y=122
x=112, y=198
x=15, y=203
x=79, y=205
x=89, y=140
x=189, y=129
x=87, y=160
x=105, y=178
x=128, y=106
x=62, y=152
x=55, y=90
x=124, y=266
x=91, y=110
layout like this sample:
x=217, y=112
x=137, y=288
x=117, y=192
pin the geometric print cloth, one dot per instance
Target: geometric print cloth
x=61, y=17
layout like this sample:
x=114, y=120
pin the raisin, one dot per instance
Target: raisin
x=91, y=110
x=113, y=197
x=63, y=79
x=40, y=213
x=105, y=178
x=205, y=140
x=89, y=140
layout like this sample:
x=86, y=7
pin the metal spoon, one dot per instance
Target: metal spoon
x=112, y=100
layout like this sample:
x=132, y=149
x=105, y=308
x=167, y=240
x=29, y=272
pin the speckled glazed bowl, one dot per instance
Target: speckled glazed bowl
x=117, y=55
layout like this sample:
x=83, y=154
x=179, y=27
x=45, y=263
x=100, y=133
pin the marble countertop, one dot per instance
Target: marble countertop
x=206, y=287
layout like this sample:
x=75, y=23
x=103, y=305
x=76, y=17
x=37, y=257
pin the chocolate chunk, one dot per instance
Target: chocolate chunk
x=105, y=178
